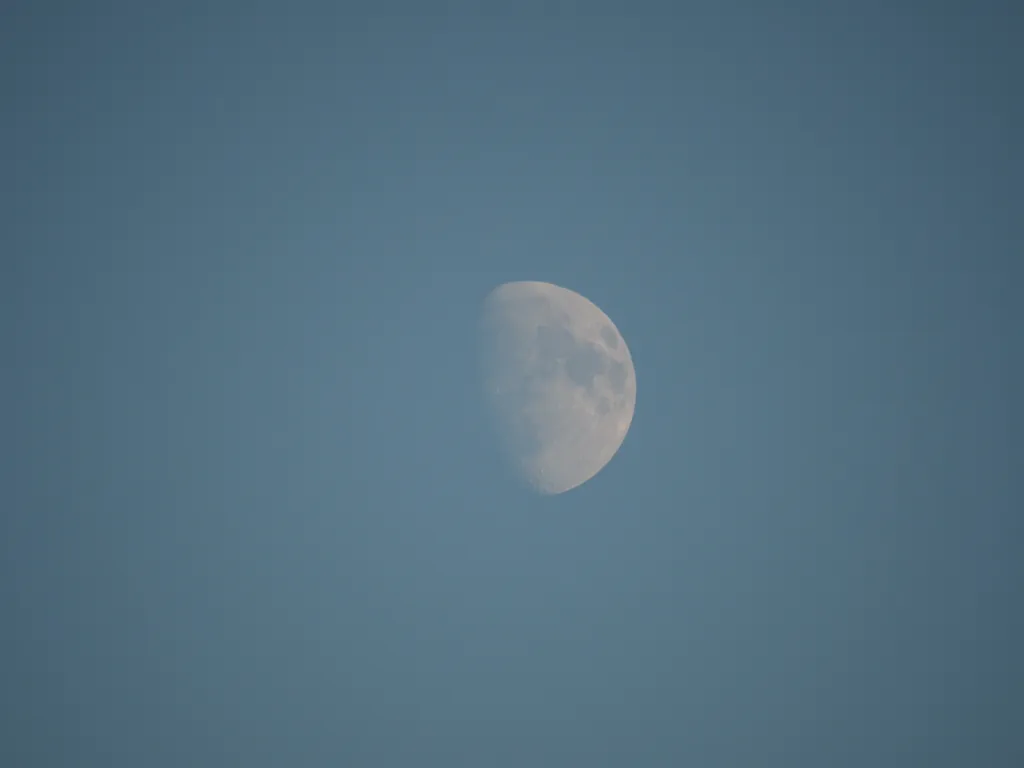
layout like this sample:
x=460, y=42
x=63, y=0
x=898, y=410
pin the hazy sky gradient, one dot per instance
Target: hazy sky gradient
x=250, y=513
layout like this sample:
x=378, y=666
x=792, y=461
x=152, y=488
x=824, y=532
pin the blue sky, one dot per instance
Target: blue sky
x=253, y=514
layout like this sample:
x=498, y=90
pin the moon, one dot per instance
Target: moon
x=558, y=383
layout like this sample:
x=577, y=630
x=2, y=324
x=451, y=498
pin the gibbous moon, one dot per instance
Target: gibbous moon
x=558, y=380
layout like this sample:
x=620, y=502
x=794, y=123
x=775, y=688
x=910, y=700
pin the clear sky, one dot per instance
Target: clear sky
x=250, y=513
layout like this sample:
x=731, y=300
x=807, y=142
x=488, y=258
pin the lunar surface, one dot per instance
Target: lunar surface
x=558, y=381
